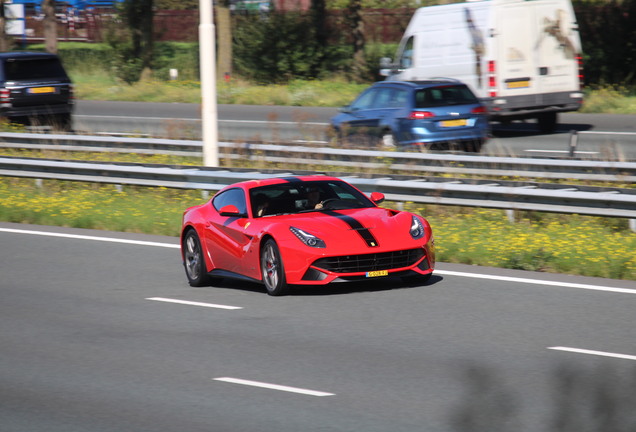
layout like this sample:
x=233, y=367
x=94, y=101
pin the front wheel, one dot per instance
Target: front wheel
x=272, y=269
x=193, y=260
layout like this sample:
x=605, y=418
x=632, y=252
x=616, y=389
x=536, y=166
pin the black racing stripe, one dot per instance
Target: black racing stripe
x=356, y=226
x=292, y=179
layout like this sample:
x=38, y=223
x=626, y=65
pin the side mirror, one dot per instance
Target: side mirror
x=377, y=197
x=345, y=109
x=385, y=63
x=231, y=210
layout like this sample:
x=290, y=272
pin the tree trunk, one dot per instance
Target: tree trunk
x=4, y=41
x=224, y=42
x=50, y=26
x=357, y=35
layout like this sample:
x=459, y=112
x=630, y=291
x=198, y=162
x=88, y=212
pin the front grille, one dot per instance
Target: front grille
x=370, y=262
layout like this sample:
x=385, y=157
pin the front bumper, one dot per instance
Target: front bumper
x=322, y=270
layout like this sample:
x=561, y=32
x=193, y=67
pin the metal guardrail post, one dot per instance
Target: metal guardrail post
x=574, y=141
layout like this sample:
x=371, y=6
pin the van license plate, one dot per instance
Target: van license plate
x=518, y=84
x=378, y=273
x=453, y=123
x=41, y=90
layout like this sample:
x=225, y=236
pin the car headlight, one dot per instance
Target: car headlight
x=308, y=239
x=417, y=229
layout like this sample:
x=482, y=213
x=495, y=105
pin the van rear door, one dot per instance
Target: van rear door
x=515, y=69
x=537, y=45
x=557, y=46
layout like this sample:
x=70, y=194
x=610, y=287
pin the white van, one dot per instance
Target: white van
x=521, y=57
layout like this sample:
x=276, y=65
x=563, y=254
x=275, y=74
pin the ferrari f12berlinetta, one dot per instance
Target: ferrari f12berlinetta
x=310, y=230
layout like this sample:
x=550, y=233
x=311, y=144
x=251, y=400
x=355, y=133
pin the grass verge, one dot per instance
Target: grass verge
x=542, y=242
x=92, y=85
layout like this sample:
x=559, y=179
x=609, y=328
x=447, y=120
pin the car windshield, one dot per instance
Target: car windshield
x=444, y=96
x=305, y=196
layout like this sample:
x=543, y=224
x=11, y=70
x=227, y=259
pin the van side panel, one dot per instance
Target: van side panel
x=448, y=41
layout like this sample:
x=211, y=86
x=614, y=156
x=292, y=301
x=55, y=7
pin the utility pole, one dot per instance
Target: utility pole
x=207, y=65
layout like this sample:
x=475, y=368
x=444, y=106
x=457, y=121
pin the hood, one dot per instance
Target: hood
x=373, y=227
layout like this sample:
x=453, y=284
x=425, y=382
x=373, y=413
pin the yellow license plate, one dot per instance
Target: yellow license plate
x=41, y=90
x=378, y=273
x=518, y=84
x=454, y=123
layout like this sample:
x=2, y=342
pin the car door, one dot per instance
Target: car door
x=225, y=235
x=366, y=113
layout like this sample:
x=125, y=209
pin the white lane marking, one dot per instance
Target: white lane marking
x=94, y=238
x=192, y=303
x=439, y=272
x=273, y=386
x=592, y=352
x=560, y=151
x=536, y=281
x=199, y=120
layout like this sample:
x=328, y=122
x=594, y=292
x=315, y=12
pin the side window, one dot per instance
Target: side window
x=365, y=101
x=235, y=197
x=406, y=59
x=383, y=98
x=398, y=99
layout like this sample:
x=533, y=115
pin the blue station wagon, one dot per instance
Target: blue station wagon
x=440, y=114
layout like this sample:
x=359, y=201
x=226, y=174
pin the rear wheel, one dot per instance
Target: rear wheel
x=63, y=122
x=473, y=146
x=272, y=269
x=193, y=260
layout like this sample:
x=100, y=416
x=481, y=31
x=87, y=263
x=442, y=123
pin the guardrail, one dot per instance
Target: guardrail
x=595, y=201
x=389, y=161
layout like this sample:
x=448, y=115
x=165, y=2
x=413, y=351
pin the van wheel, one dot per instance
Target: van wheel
x=547, y=122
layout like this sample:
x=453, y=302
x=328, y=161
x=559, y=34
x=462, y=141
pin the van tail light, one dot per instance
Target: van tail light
x=479, y=110
x=420, y=115
x=492, y=78
x=579, y=61
x=71, y=92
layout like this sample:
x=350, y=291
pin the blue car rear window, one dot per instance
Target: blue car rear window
x=444, y=96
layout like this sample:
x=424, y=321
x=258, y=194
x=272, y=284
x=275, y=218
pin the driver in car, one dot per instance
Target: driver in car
x=313, y=198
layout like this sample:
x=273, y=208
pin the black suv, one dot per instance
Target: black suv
x=35, y=90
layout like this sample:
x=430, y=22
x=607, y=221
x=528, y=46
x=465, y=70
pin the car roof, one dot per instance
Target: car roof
x=26, y=55
x=250, y=184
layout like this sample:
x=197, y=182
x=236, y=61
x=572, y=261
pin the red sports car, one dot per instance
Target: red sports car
x=310, y=230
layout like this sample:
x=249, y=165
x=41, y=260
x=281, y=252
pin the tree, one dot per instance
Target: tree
x=50, y=26
x=356, y=26
x=224, y=38
x=4, y=41
x=138, y=15
x=319, y=12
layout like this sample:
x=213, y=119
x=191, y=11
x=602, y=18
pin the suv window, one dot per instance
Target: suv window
x=444, y=95
x=32, y=69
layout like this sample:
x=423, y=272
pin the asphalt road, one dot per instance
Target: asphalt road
x=98, y=335
x=600, y=135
